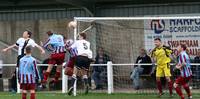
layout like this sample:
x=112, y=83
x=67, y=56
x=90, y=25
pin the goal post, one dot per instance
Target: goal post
x=64, y=81
x=110, y=77
x=110, y=88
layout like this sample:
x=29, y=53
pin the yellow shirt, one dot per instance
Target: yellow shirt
x=162, y=55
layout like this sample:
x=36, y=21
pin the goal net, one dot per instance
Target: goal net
x=122, y=40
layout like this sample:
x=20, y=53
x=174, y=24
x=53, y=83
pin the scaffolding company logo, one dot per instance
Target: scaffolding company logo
x=158, y=26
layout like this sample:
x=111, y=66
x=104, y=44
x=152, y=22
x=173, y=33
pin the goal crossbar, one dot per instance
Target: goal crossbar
x=136, y=18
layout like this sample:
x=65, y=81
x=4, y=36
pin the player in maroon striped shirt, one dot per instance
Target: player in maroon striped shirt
x=185, y=72
x=28, y=73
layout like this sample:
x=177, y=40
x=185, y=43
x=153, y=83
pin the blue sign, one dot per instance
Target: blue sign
x=158, y=26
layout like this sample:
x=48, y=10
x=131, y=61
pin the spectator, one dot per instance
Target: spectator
x=1, y=68
x=14, y=82
x=99, y=72
x=138, y=69
x=197, y=68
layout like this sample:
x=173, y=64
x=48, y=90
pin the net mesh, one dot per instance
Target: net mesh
x=120, y=40
x=123, y=39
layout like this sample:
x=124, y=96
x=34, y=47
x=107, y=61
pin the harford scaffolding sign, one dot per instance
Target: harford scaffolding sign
x=173, y=32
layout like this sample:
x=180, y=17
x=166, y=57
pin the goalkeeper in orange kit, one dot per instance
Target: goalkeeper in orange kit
x=161, y=56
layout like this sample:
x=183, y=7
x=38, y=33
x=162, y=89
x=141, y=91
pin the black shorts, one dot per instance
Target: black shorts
x=82, y=62
x=18, y=59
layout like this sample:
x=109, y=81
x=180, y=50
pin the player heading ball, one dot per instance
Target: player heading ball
x=82, y=61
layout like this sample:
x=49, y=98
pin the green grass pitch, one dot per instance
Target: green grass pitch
x=93, y=96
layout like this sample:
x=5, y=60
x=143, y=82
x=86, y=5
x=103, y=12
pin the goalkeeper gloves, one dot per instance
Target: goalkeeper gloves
x=153, y=68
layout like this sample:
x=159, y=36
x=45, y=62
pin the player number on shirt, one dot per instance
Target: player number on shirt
x=25, y=62
x=85, y=46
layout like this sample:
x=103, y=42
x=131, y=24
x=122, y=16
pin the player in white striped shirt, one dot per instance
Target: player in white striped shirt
x=22, y=43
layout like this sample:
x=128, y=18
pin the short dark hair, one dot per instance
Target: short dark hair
x=100, y=48
x=49, y=33
x=29, y=33
x=28, y=49
x=142, y=49
x=82, y=34
x=184, y=46
x=64, y=37
x=157, y=39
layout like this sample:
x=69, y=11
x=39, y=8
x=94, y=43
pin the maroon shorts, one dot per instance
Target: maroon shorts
x=69, y=67
x=57, y=58
x=27, y=86
x=182, y=80
x=71, y=61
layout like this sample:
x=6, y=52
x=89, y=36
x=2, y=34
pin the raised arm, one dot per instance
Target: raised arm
x=45, y=44
x=41, y=49
x=9, y=47
x=170, y=54
x=182, y=62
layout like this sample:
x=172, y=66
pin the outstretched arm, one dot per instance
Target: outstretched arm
x=41, y=49
x=173, y=58
x=9, y=47
x=182, y=62
x=179, y=66
x=45, y=44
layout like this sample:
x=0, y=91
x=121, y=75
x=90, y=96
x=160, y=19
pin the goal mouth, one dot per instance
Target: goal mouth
x=122, y=39
x=173, y=30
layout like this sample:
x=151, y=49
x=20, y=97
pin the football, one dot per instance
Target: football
x=72, y=24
